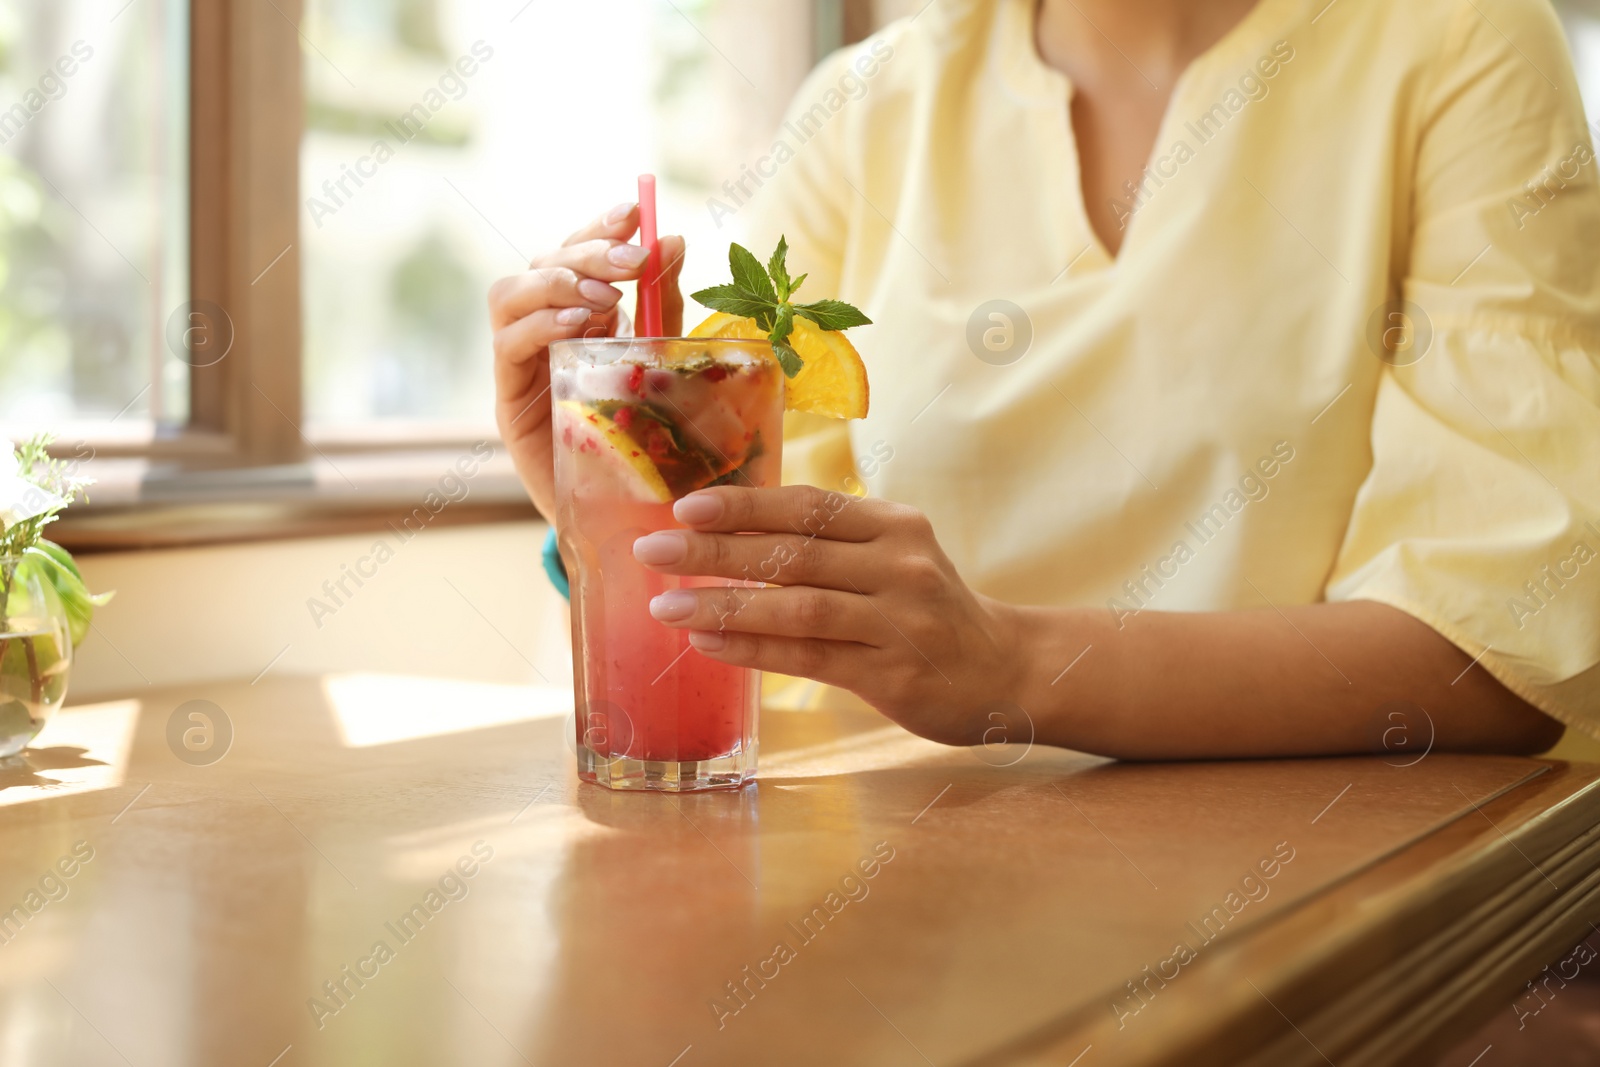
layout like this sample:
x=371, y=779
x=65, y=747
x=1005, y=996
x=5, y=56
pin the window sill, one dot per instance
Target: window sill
x=139, y=504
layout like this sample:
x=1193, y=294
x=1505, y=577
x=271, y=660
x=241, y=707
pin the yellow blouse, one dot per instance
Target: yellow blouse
x=1350, y=348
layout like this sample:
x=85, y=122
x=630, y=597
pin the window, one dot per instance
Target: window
x=1582, y=22
x=93, y=214
x=213, y=286
x=448, y=140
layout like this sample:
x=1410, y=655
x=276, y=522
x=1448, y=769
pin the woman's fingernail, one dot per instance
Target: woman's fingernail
x=675, y=605
x=572, y=316
x=660, y=549
x=628, y=256
x=707, y=640
x=620, y=212
x=598, y=292
x=698, y=508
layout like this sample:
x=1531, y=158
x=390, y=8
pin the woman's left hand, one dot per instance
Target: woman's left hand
x=860, y=596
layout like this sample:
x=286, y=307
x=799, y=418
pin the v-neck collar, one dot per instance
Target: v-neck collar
x=1015, y=62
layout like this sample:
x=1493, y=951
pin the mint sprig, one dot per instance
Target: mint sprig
x=765, y=294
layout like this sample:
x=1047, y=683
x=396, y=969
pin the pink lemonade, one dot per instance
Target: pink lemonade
x=638, y=424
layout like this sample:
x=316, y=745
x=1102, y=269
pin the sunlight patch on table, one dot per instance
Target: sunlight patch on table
x=80, y=750
x=878, y=749
x=549, y=826
x=381, y=709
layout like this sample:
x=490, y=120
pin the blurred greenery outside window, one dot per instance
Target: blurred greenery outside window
x=534, y=118
x=93, y=212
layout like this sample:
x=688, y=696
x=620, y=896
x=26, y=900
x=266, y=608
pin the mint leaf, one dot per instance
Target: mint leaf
x=779, y=270
x=749, y=275
x=788, y=358
x=783, y=325
x=732, y=300
x=833, y=314
x=764, y=294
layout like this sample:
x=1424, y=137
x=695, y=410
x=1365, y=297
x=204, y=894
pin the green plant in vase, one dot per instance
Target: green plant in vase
x=45, y=608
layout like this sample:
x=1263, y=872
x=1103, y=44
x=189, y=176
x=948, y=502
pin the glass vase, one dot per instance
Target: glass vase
x=35, y=651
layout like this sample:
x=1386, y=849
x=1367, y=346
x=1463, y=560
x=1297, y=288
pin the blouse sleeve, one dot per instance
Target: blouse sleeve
x=802, y=202
x=1481, y=513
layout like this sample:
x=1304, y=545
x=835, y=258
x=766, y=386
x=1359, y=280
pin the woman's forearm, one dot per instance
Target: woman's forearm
x=870, y=603
x=1317, y=679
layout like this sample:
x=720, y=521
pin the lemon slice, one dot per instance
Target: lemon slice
x=583, y=429
x=833, y=381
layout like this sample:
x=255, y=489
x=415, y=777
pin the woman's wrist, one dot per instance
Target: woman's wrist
x=1048, y=650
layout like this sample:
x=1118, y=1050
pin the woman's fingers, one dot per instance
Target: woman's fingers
x=800, y=612
x=618, y=224
x=603, y=258
x=780, y=559
x=547, y=287
x=801, y=509
x=567, y=293
x=532, y=334
x=672, y=253
x=838, y=663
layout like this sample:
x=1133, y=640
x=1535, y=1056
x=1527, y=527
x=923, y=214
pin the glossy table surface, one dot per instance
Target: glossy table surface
x=384, y=870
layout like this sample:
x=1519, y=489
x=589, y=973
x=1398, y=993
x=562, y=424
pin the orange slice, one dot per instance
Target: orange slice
x=583, y=429
x=833, y=381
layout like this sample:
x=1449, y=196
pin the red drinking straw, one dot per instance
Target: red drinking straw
x=650, y=283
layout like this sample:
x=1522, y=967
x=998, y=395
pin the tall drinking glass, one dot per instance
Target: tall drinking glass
x=639, y=423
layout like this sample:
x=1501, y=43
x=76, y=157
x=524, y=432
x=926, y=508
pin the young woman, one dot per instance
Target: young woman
x=1236, y=378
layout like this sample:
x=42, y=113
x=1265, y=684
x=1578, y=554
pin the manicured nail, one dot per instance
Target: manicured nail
x=675, y=605
x=707, y=640
x=697, y=508
x=628, y=256
x=598, y=292
x=620, y=212
x=660, y=549
x=572, y=316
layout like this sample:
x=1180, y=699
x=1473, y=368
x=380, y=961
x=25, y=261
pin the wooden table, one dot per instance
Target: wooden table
x=390, y=871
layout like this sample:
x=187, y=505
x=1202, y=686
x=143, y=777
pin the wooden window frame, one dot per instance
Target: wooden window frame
x=246, y=108
x=244, y=142
x=246, y=101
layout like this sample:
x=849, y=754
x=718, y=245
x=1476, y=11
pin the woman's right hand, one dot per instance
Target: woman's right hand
x=566, y=292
